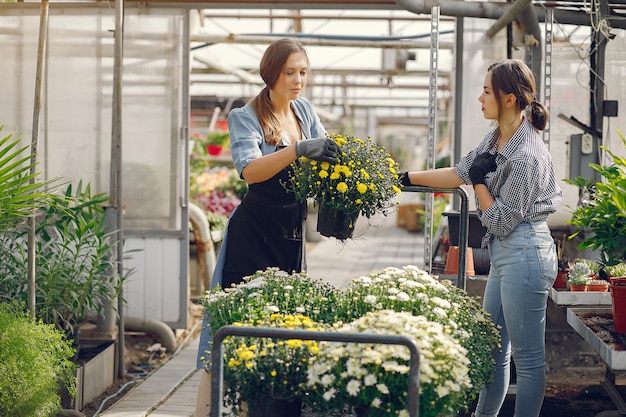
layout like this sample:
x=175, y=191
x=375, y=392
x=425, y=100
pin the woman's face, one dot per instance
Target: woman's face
x=293, y=77
x=488, y=100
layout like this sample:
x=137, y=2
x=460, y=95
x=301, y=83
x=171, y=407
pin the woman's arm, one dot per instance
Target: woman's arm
x=440, y=178
x=265, y=167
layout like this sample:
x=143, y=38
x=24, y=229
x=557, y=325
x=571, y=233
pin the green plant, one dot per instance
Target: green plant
x=75, y=272
x=364, y=180
x=217, y=222
x=601, y=218
x=217, y=138
x=376, y=376
x=34, y=358
x=618, y=270
x=20, y=193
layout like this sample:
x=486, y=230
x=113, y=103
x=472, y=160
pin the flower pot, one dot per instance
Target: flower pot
x=561, y=279
x=618, y=295
x=335, y=223
x=272, y=407
x=452, y=263
x=362, y=411
x=578, y=287
x=598, y=287
x=214, y=149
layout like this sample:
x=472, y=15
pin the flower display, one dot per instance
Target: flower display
x=257, y=368
x=375, y=376
x=217, y=190
x=410, y=289
x=364, y=180
x=272, y=291
x=455, y=335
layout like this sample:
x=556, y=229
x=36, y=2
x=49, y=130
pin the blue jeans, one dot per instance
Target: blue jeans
x=523, y=268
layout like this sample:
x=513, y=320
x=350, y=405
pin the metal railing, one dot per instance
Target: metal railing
x=463, y=223
x=217, y=355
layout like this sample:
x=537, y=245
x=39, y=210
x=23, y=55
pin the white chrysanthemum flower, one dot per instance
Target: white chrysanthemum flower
x=371, y=299
x=330, y=394
x=300, y=310
x=369, y=380
x=273, y=309
x=376, y=402
x=402, y=296
x=327, y=379
x=382, y=388
x=353, y=387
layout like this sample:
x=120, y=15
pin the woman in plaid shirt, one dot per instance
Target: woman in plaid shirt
x=515, y=188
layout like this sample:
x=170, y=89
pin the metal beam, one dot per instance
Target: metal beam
x=507, y=17
x=354, y=42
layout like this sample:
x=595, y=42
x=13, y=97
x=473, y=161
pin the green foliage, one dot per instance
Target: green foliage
x=75, y=273
x=603, y=214
x=20, y=194
x=34, y=358
x=216, y=221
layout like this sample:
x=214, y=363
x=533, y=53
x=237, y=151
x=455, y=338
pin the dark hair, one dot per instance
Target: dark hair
x=272, y=64
x=513, y=76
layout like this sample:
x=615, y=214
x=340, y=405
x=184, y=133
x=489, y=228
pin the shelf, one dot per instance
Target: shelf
x=613, y=355
x=582, y=298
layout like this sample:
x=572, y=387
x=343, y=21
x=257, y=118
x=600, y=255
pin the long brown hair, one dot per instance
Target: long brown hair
x=513, y=76
x=271, y=66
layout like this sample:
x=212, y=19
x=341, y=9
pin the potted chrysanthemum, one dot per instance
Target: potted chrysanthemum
x=410, y=289
x=362, y=182
x=258, y=371
x=264, y=376
x=373, y=378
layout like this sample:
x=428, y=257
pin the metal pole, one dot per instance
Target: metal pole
x=39, y=76
x=432, y=134
x=217, y=353
x=115, y=189
x=547, y=72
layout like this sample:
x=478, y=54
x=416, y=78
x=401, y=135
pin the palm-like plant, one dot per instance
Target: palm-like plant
x=20, y=194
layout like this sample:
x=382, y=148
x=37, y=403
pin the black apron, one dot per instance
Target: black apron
x=265, y=231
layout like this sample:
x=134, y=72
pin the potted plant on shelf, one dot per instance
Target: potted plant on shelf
x=216, y=142
x=601, y=220
x=579, y=276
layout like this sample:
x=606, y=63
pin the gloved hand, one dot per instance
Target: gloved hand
x=404, y=178
x=483, y=164
x=319, y=149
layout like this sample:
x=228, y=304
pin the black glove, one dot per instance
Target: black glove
x=483, y=164
x=404, y=178
x=320, y=149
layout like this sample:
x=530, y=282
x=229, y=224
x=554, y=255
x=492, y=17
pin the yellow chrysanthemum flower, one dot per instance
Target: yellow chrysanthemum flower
x=342, y=187
x=361, y=188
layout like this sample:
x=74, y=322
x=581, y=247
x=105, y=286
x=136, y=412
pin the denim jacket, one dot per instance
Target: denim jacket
x=246, y=135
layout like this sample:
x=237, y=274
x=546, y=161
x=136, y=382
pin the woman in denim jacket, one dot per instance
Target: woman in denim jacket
x=266, y=135
x=515, y=187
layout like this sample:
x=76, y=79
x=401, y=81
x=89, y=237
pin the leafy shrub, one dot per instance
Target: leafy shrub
x=34, y=357
x=75, y=274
